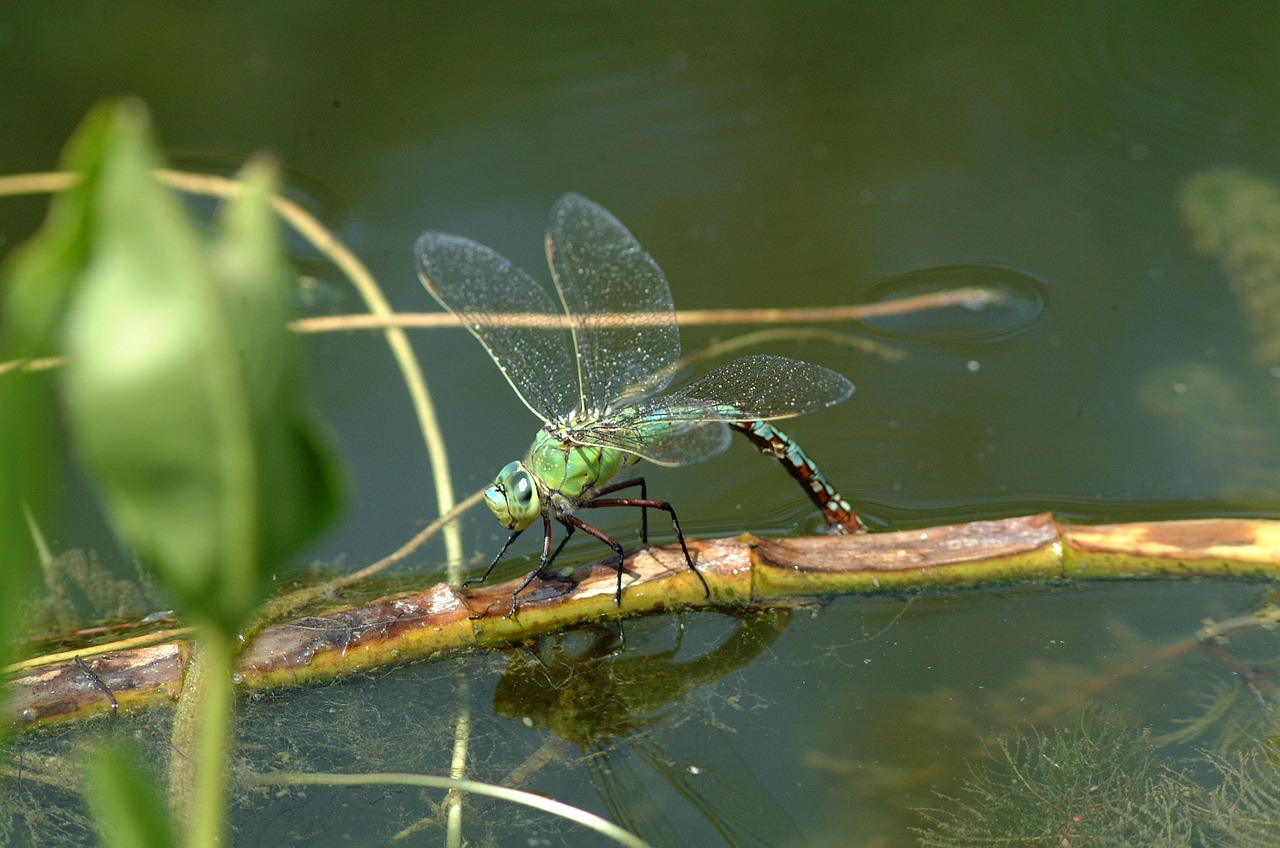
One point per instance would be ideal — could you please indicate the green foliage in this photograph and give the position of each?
(37, 279)
(41, 274)
(183, 387)
(128, 811)
(183, 395)
(1097, 784)
(24, 454)
(1231, 718)
(1103, 783)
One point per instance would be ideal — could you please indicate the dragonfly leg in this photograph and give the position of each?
(548, 556)
(574, 521)
(645, 503)
(644, 494)
(771, 441)
(569, 528)
(492, 565)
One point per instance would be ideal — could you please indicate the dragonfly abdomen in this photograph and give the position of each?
(771, 441)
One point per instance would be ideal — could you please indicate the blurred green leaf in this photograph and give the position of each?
(299, 484)
(152, 392)
(183, 392)
(41, 273)
(36, 280)
(24, 460)
(126, 808)
(183, 387)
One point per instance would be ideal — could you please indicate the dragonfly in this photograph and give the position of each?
(592, 357)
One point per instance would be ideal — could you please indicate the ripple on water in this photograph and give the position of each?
(1014, 302)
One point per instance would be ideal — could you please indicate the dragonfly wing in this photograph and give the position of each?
(623, 321)
(516, 319)
(658, 433)
(762, 388)
(689, 425)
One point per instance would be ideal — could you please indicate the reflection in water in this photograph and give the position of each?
(1016, 300)
(615, 702)
(1234, 216)
(1220, 413)
(1220, 427)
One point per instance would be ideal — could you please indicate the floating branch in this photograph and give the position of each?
(745, 571)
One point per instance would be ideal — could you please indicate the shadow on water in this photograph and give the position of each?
(626, 709)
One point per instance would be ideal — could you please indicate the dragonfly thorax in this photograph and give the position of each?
(569, 473)
(555, 474)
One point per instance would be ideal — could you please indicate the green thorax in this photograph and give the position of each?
(570, 472)
(555, 474)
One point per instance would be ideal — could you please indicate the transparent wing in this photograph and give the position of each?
(688, 425)
(516, 319)
(623, 321)
(663, 435)
(765, 387)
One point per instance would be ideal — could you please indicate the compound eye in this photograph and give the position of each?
(514, 497)
(522, 489)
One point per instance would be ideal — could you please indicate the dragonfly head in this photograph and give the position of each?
(514, 498)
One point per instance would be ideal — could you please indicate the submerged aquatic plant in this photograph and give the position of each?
(1097, 784)
(1244, 811)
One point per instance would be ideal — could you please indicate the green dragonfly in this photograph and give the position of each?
(592, 361)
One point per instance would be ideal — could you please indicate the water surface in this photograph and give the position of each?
(811, 155)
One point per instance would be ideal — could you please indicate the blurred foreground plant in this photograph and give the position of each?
(183, 395)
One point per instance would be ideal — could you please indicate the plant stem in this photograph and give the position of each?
(201, 741)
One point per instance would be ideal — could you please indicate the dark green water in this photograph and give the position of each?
(806, 154)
